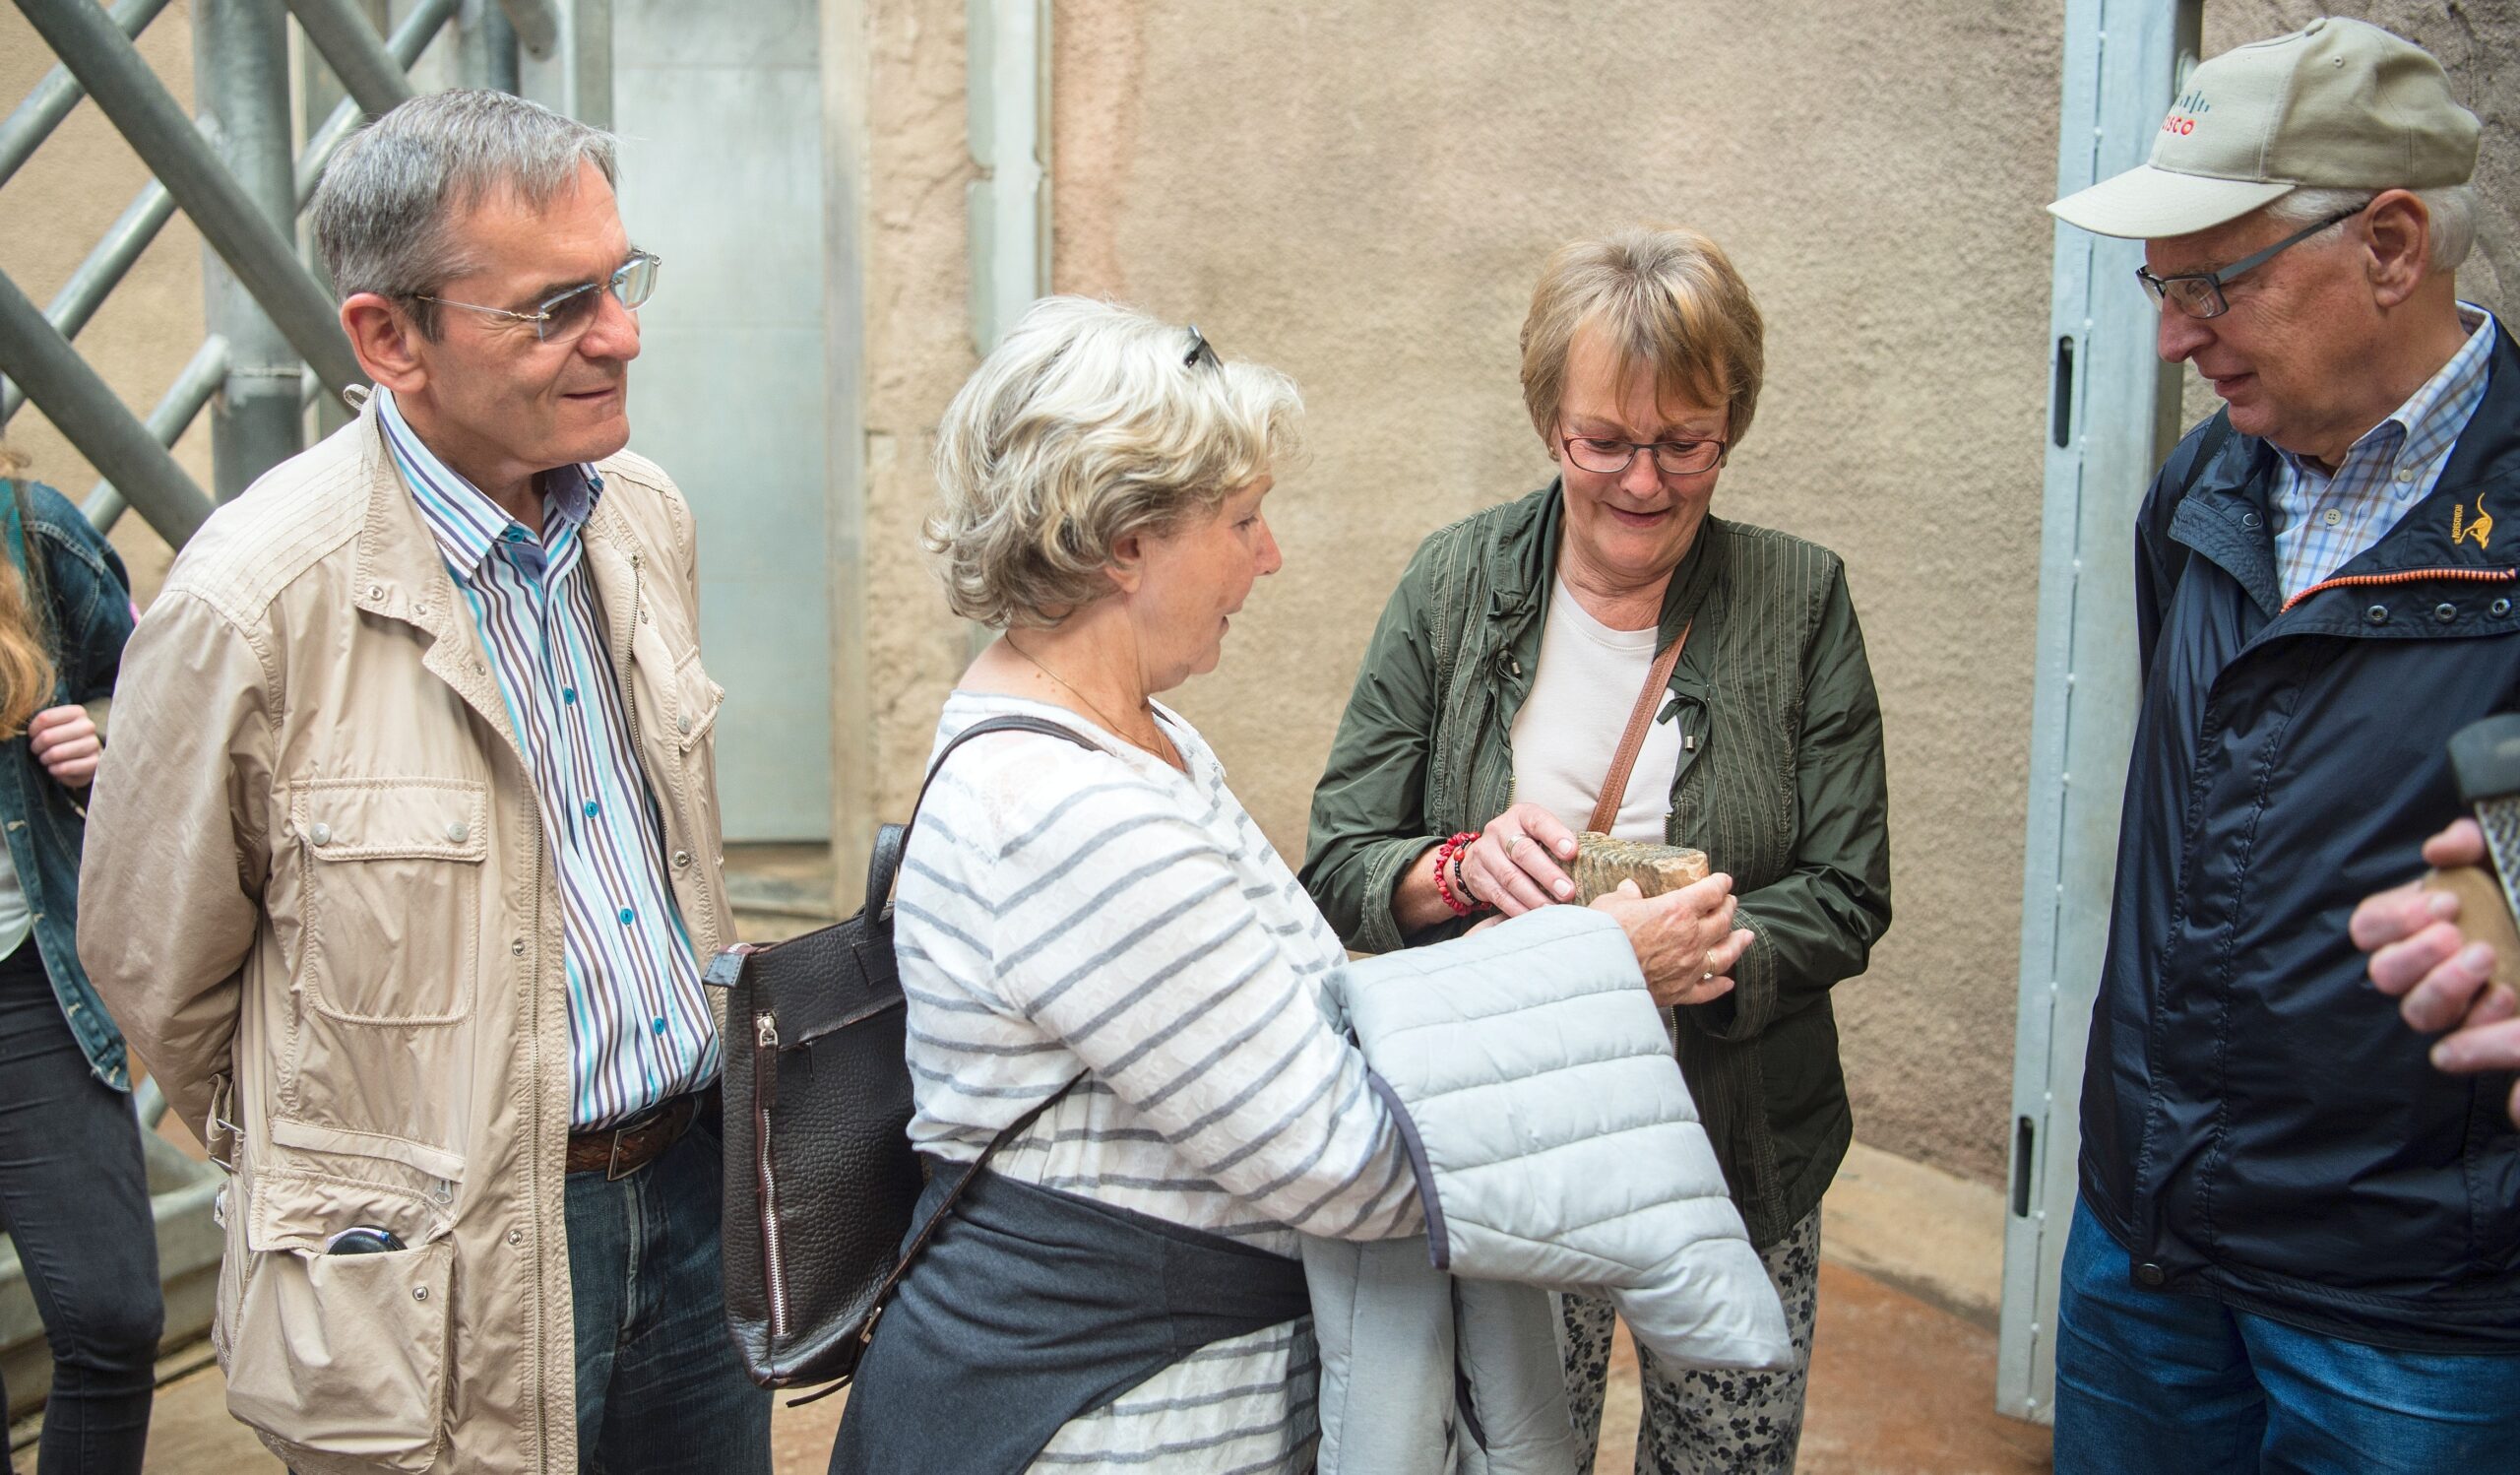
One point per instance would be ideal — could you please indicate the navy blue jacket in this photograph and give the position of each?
(2258, 1124)
(89, 618)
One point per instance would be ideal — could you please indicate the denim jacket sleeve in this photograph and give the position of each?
(90, 595)
(1370, 809)
(1817, 925)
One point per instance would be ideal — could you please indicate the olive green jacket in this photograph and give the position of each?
(1780, 782)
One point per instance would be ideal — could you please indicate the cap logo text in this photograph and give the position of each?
(2184, 112)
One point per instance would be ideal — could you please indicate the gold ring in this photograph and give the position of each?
(1514, 845)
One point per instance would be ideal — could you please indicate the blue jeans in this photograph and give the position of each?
(661, 1390)
(2149, 1381)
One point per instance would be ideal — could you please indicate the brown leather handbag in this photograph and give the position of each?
(821, 1182)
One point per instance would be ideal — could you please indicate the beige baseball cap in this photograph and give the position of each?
(2337, 104)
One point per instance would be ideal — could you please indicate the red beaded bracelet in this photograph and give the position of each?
(1461, 875)
(1444, 856)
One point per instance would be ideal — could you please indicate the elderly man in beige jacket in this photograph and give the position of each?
(406, 851)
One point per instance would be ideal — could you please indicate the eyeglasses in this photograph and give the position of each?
(563, 316)
(1672, 458)
(1200, 353)
(2199, 294)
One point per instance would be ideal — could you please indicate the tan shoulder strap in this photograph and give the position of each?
(1647, 701)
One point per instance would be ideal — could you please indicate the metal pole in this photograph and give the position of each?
(82, 408)
(106, 64)
(240, 71)
(590, 61)
(152, 206)
(58, 93)
(104, 268)
(174, 414)
(410, 40)
(537, 26)
(356, 55)
(486, 43)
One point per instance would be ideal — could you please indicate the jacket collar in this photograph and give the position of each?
(399, 574)
(2226, 517)
(468, 526)
(1522, 569)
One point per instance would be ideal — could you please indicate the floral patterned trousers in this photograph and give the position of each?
(1698, 1421)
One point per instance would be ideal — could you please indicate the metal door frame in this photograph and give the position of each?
(2113, 415)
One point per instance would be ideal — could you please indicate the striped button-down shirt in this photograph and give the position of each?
(640, 1029)
(2323, 522)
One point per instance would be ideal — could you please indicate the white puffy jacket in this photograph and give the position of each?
(1557, 1149)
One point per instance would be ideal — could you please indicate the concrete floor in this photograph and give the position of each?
(1899, 1387)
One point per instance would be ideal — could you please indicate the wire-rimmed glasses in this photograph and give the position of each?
(1605, 457)
(564, 315)
(2199, 294)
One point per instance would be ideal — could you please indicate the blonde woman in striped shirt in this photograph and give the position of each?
(1119, 1290)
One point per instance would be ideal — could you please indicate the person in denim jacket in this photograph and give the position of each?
(73, 1189)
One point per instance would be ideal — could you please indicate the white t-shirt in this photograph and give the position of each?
(1569, 728)
(16, 920)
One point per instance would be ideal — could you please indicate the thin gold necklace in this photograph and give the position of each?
(1168, 753)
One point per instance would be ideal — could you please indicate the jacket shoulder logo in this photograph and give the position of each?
(2462, 529)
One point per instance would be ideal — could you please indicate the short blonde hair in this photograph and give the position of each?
(1667, 297)
(1089, 423)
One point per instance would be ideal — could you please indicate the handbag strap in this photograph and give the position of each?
(936, 1220)
(1614, 787)
(892, 841)
(1011, 723)
(1014, 1129)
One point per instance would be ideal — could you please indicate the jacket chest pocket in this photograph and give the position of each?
(392, 877)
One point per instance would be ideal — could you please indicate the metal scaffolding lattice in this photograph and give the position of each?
(274, 342)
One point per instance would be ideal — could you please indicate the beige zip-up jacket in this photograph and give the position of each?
(317, 897)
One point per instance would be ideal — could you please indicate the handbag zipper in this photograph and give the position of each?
(765, 1096)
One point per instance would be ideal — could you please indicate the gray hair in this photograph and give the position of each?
(1087, 424)
(383, 217)
(2451, 207)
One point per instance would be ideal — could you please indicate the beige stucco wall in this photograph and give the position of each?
(52, 212)
(916, 288)
(1364, 201)
(1361, 195)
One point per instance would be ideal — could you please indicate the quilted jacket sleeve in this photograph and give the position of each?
(1554, 1139)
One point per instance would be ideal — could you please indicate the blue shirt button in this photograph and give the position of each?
(660, 1023)
(568, 696)
(592, 809)
(628, 917)
(515, 533)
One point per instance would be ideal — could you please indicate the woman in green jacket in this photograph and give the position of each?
(1492, 701)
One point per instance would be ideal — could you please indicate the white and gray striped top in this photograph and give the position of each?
(1061, 909)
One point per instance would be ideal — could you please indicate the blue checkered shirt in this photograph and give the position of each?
(2324, 522)
(640, 1028)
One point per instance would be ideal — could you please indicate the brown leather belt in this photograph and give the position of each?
(619, 1151)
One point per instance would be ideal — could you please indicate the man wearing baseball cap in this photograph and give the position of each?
(2298, 1246)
